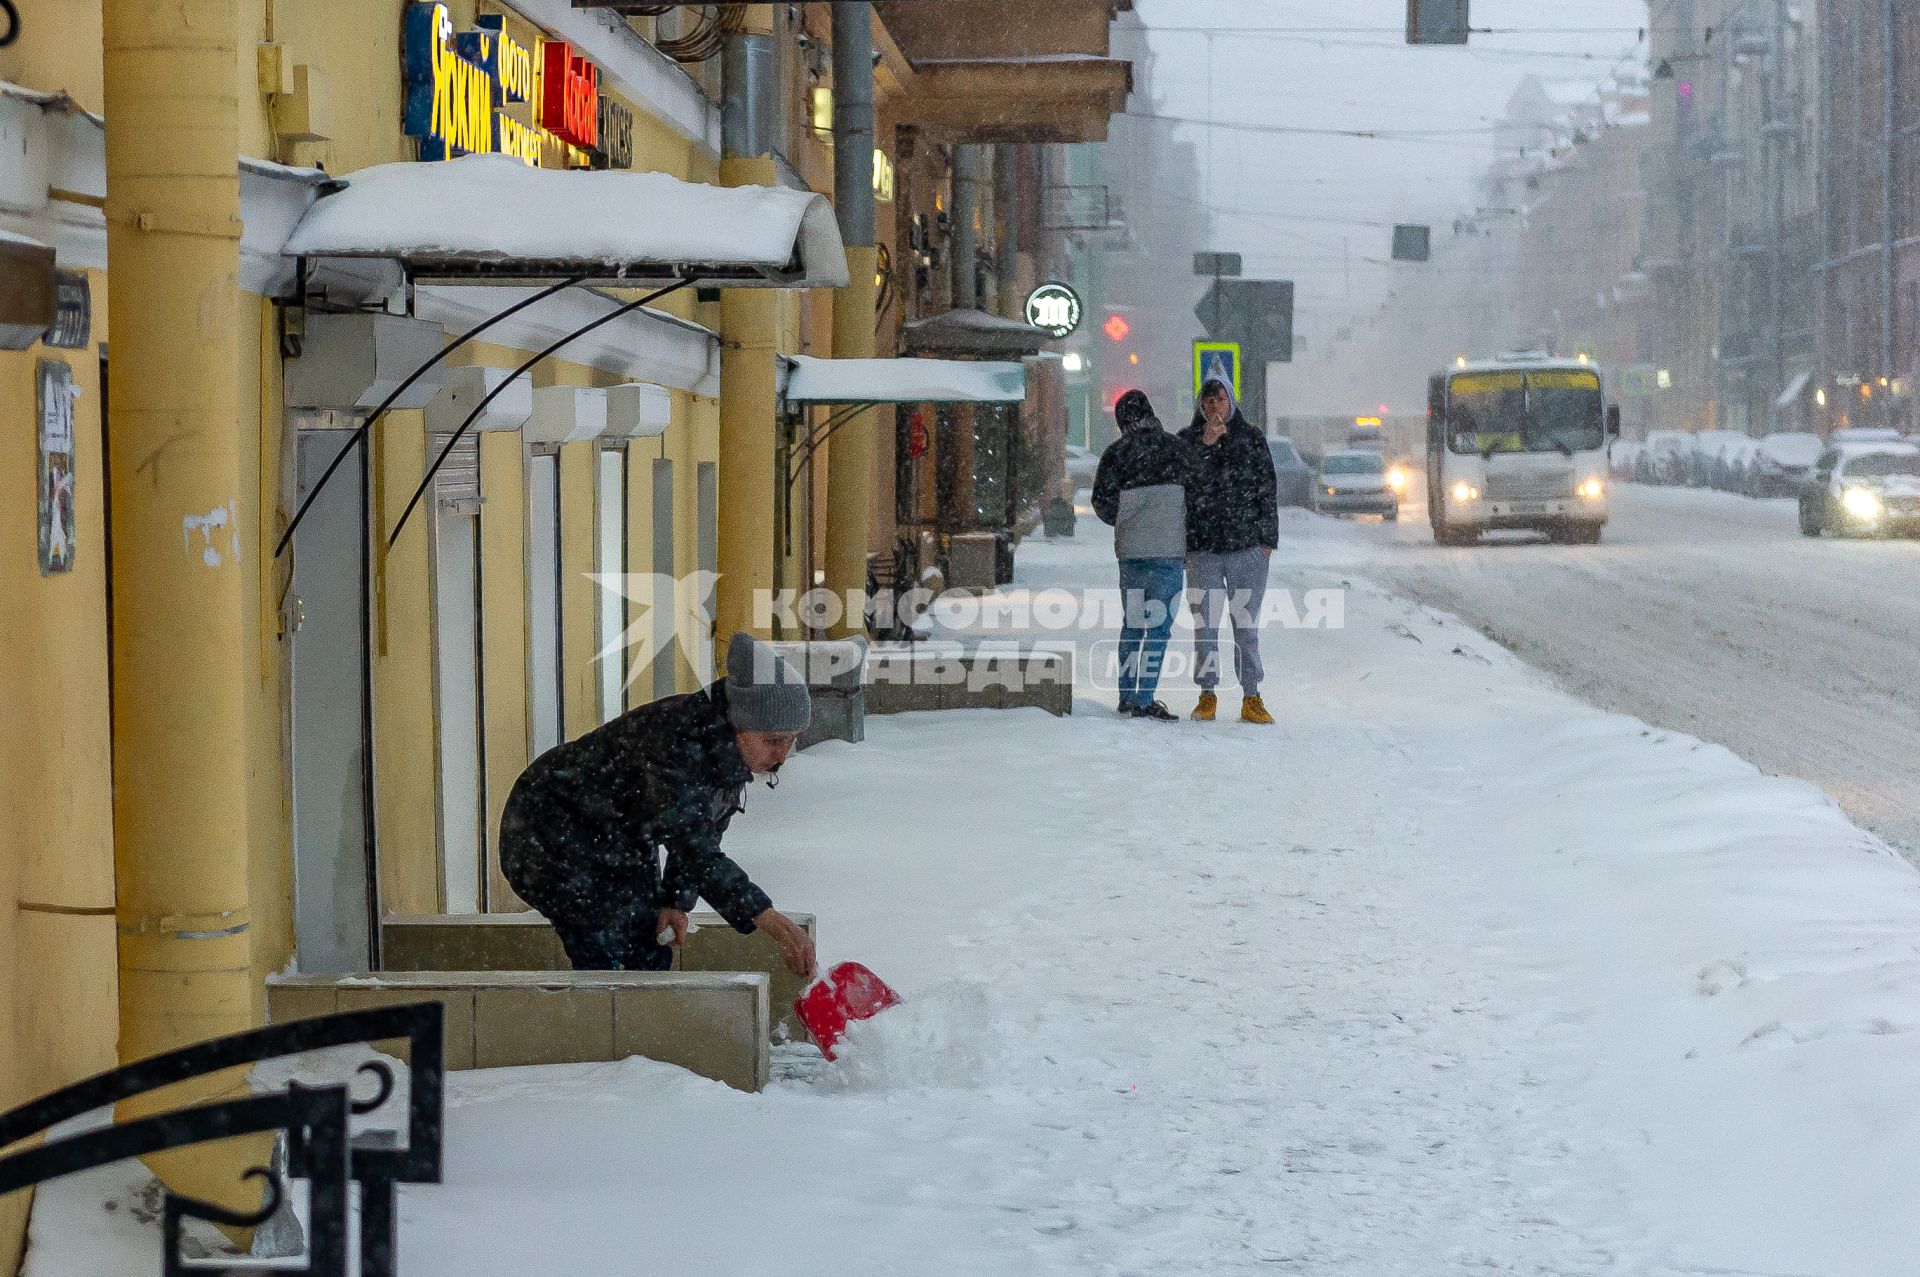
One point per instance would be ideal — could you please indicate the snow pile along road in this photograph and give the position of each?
(1446, 973)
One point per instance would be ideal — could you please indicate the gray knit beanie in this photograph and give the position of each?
(764, 693)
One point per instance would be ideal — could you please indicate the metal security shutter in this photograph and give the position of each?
(457, 486)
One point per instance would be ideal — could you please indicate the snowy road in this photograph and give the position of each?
(1710, 614)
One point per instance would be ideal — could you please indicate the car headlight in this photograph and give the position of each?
(1861, 503)
(1464, 491)
(1591, 489)
(1333, 492)
(1397, 478)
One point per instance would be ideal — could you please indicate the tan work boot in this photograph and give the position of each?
(1204, 711)
(1254, 710)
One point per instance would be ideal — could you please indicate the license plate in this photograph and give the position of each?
(1528, 507)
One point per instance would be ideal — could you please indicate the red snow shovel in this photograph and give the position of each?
(847, 994)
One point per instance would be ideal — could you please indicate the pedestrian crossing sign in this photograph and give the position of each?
(1216, 361)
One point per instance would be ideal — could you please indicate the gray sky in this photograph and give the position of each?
(1325, 65)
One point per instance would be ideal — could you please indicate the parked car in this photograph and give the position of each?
(1624, 459)
(1294, 475)
(1660, 461)
(1698, 470)
(1781, 464)
(1730, 466)
(1863, 489)
(1865, 434)
(1355, 482)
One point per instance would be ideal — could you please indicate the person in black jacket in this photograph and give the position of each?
(1233, 527)
(583, 827)
(1141, 489)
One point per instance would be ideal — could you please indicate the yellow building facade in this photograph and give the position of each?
(164, 759)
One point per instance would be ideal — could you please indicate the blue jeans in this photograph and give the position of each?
(1149, 592)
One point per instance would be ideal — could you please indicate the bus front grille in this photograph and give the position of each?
(1530, 485)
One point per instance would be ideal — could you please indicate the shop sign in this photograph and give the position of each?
(616, 133)
(461, 89)
(1056, 308)
(56, 394)
(569, 95)
(883, 177)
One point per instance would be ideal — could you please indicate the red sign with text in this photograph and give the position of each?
(569, 95)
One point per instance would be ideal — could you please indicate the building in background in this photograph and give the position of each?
(1868, 287)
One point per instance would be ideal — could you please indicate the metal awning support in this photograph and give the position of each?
(353, 440)
(426, 480)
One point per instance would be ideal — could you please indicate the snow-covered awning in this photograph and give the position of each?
(1794, 390)
(974, 332)
(881, 381)
(491, 219)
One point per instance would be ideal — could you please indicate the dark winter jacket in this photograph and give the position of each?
(579, 835)
(1235, 506)
(1141, 489)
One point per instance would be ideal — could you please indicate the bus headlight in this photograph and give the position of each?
(1591, 490)
(1464, 492)
(1861, 503)
(1397, 478)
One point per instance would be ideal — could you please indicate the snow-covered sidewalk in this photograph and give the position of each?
(1445, 973)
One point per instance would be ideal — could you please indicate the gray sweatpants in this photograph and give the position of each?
(1233, 586)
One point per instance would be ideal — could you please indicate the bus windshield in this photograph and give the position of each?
(1552, 410)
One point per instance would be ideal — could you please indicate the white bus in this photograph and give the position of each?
(1518, 441)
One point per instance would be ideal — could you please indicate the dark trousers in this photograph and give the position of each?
(604, 924)
(613, 947)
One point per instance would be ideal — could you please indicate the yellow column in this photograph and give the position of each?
(405, 745)
(182, 759)
(850, 473)
(505, 729)
(750, 334)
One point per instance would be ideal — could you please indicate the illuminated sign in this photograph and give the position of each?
(449, 100)
(569, 95)
(1054, 307)
(882, 177)
(481, 91)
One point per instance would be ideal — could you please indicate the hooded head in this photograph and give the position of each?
(1213, 388)
(764, 693)
(1132, 409)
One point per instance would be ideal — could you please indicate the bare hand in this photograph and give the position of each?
(1267, 550)
(795, 945)
(673, 928)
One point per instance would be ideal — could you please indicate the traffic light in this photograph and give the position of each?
(1117, 328)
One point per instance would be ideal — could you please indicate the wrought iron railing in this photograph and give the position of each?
(314, 1121)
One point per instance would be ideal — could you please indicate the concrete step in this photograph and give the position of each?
(526, 942)
(713, 1023)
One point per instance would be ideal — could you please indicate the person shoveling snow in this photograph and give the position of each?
(582, 830)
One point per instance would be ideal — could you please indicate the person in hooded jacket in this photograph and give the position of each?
(1141, 490)
(582, 832)
(1233, 527)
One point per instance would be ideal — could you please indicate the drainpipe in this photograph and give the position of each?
(184, 535)
(1890, 171)
(1006, 203)
(850, 455)
(750, 339)
(965, 239)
